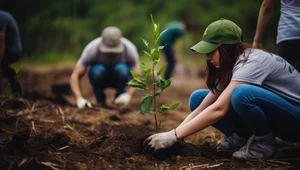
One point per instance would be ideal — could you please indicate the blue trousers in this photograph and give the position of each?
(169, 54)
(255, 110)
(102, 77)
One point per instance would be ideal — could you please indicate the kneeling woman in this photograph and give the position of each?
(253, 97)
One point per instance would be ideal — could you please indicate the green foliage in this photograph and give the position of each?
(102, 115)
(18, 71)
(152, 80)
(7, 88)
(66, 27)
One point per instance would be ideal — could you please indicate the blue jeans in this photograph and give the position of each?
(169, 54)
(102, 77)
(257, 111)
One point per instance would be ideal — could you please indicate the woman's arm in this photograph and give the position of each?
(208, 100)
(205, 118)
(264, 16)
(210, 115)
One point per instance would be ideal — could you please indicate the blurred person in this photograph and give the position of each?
(108, 60)
(172, 40)
(10, 50)
(288, 31)
(253, 97)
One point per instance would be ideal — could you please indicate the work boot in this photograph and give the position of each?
(258, 147)
(232, 143)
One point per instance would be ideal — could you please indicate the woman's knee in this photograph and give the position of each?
(241, 92)
(196, 98)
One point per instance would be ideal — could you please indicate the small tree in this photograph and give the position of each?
(12, 86)
(152, 80)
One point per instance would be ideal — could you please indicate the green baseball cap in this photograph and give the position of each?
(217, 33)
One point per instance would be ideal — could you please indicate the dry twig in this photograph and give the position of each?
(51, 165)
(33, 128)
(63, 148)
(62, 114)
(192, 166)
(22, 162)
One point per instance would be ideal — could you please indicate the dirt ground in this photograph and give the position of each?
(43, 130)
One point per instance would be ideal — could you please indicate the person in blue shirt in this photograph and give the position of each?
(10, 50)
(172, 41)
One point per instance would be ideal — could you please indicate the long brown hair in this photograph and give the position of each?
(218, 78)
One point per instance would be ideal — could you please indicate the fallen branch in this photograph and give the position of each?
(22, 162)
(192, 166)
(63, 148)
(33, 128)
(47, 121)
(62, 114)
(51, 165)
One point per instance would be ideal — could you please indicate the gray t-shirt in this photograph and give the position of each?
(269, 71)
(92, 55)
(289, 22)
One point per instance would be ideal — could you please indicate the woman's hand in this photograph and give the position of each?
(160, 141)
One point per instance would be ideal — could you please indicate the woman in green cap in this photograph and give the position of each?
(253, 96)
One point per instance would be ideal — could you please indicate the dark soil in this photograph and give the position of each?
(45, 130)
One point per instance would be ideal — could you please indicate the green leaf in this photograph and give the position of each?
(145, 69)
(17, 69)
(137, 84)
(174, 106)
(157, 94)
(158, 83)
(162, 70)
(157, 33)
(149, 55)
(146, 104)
(145, 42)
(136, 75)
(161, 47)
(162, 83)
(164, 108)
(155, 56)
(162, 32)
(167, 83)
(147, 77)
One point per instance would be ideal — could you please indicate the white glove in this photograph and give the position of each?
(122, 99)
(81, 103)
(160, 141)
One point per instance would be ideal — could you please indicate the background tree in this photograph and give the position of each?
(55, 29)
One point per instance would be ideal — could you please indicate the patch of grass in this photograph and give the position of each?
(51, 58)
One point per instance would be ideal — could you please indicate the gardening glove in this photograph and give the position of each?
(122, 99)
(81, 103)
(160, 141)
